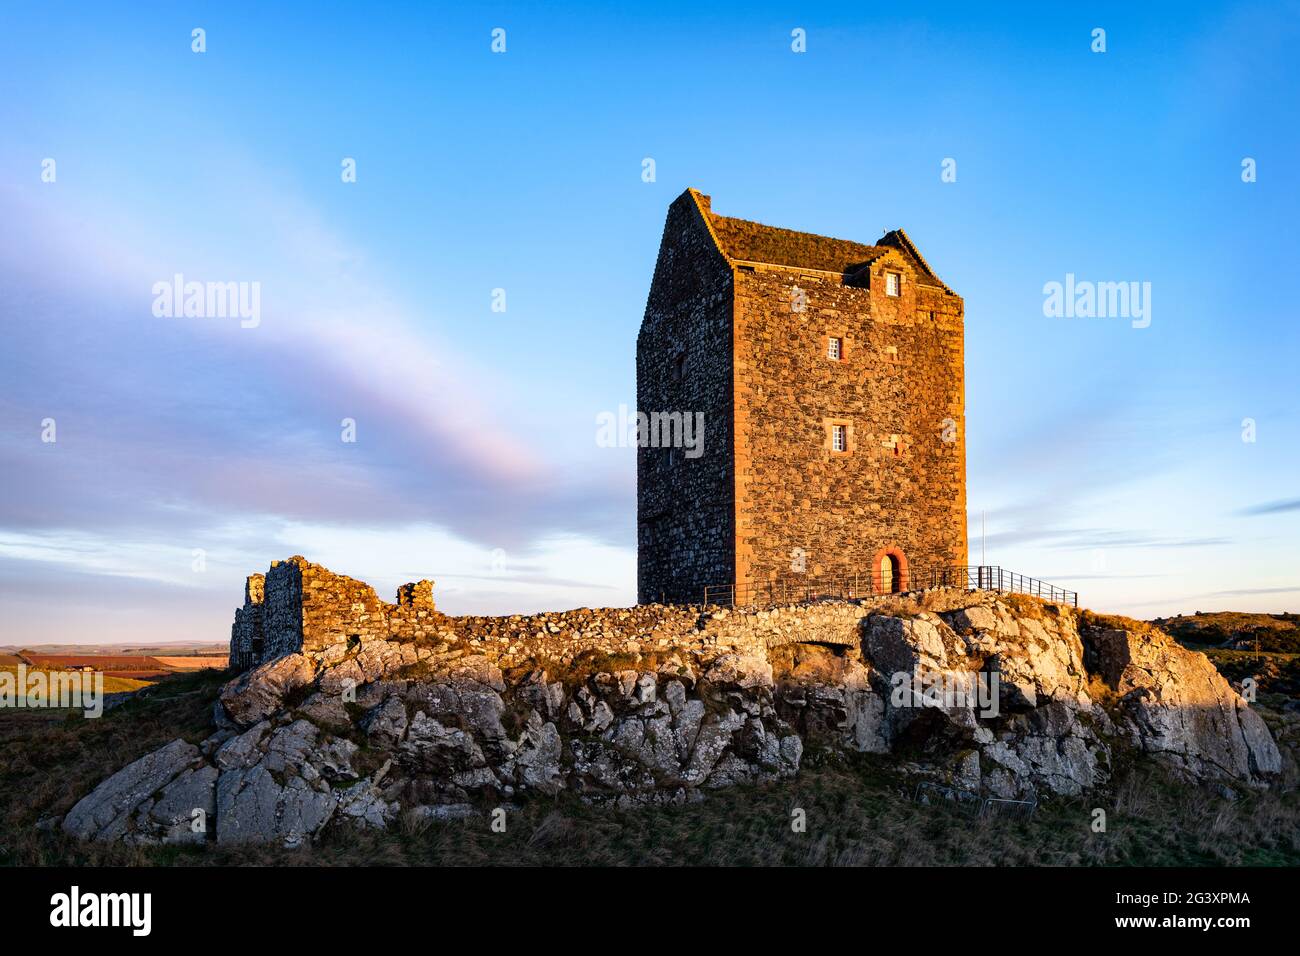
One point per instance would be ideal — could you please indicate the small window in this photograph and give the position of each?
(893, 283)
(679, 366)
(835, 348)
(839, 438)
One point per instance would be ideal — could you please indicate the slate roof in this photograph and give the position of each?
(756, 242)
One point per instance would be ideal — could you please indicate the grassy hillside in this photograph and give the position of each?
(1271, 633)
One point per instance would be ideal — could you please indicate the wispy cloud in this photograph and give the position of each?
(1272, 507)
(1081, 539)
(181, 424)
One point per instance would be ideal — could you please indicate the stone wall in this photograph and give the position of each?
(685, 531)
(282, 608)
(770, 499)
(246, 634)
(898, 388)
(301, 606)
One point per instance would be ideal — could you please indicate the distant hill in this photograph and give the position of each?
(158, 649)
(1238, 630)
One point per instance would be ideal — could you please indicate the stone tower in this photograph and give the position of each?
(829, 378)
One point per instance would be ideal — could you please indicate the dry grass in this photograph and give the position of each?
(194, 662)
(112, 684)
(1091, 620)
(49, 759)
(1276, 633)
(858, 814)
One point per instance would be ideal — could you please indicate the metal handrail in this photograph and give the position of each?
(801, 589)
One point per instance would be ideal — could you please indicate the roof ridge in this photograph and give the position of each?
(748, 240)
(797, 232)
(911, 248)
(704, 206)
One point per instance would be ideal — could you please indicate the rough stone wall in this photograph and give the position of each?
(722, 336)
(685, 533)
(246, 635)
(282, 608)
(301, 606)
(899, 390)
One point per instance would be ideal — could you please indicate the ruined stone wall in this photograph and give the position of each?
(414, 616)
(685, 533)
(301, 606)
(898, 389)
(338, 614)
(282, 608)
(246, 633)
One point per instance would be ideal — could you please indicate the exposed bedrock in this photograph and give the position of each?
(358, 711)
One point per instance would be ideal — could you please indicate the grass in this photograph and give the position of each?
(49, 759)
(112, 685)
(1276, 633)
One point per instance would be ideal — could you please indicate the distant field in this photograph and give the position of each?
(194, 662)
(8, 660)
(113, 683)
(1277, 633)
(161, 649)
(136, 666)
(115, 663)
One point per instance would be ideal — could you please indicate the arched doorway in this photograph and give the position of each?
(890, 580)
(889, 570)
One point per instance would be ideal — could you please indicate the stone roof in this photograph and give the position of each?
(755, 242)
(748, 241)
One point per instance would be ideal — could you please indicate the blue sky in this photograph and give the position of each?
(1103, 457)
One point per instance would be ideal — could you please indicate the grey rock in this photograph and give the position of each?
(106, 812)
(257, 694)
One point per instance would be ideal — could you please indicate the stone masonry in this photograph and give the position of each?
(300, 606)
(738, 326)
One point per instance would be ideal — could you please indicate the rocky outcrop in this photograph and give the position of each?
(1005, 697)
(1171, 703)
(165, 796)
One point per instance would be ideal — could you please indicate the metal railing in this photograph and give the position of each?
(972, 804)
(801, 590)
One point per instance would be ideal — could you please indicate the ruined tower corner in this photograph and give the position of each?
(255, 589)
(417, 594)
